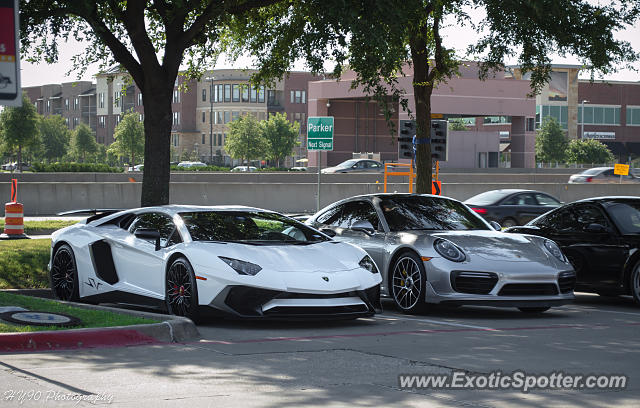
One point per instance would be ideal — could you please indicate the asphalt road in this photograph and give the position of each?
(353, 363)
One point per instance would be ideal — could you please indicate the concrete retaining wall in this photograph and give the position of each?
(51, 198)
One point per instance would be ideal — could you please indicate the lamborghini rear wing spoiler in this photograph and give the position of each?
(96, 213)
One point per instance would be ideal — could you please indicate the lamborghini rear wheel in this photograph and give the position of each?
(64, 274)
(181, 294)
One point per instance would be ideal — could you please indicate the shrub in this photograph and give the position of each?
(75, 168)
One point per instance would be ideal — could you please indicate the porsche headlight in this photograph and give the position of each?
(368, 264)
(448, 250)
(554, 250)
(242, 267)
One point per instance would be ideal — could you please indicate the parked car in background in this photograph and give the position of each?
(190, 164)
(510, 207)
(433, 249)
(356, 166)
(14, 166)
(601, 238)
(602, 175)
(137, 167)
(244, 168)
(299, 168)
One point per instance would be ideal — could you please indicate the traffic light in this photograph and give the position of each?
(439, 140)
(405, 139)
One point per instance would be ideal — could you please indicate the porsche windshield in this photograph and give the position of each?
(428, 213)
(248, 227)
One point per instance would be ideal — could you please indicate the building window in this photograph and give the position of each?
(176, 118)
(118, 119)
(298, 97)
(176, 96)
(204, 94)
(76, 103)
(219, 93)
(219, 139)
(497, 120)
(204, 116)
(66, 103)
(245, 93)
(633, 115)
(139, 99)
(254, 95)
(227, 92)
(293, 96)
(141, 117)
(203, 140)
(101, 100)
(304, 97)
(66, 121)
(271, 97)
(48, 106)
(101, 121)
(227, 116)
(175, 139)
(218, 117)
(234, 115)
(261, 94)
(599, 115)
(236, 93)
(530, 125)
(75, 122)
(116, 99)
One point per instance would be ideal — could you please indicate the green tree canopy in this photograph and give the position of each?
(281, 136)
(150, 39)
(551, 143)
(245, 139)
(19, 127)
(588, 151)
(377, 38)
(457, 124)
(55, 137)
(129, 138)
(84, 141)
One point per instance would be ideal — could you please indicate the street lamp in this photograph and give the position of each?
(210, 79)
(582, 131)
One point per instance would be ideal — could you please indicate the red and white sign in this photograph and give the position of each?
(10, 93)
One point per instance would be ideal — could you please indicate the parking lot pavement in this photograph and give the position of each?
(356, 363)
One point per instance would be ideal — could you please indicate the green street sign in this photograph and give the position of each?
(320, 133)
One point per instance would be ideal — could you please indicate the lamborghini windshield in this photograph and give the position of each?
(250, 227)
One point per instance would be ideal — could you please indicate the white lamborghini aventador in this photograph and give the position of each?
(243, 261)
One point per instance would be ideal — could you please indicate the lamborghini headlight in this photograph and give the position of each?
(368, 264)
(554, 250)
(449, 251)
(242, 267)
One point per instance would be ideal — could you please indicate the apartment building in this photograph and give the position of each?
(74, 101)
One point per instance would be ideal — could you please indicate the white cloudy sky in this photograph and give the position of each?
(457, 37)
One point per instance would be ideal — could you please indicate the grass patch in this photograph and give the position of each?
(23, 263)
(90, 318)
(45, 227)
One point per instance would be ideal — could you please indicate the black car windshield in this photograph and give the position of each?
(626, 215)
(488, 197)
(250, 227)
(414, 212)
(348, 163)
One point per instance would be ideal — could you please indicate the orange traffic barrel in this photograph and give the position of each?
(14, 220)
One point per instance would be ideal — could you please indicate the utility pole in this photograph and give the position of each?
(582, 131)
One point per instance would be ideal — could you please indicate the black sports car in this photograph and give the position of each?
(601, 238)
(510, 207)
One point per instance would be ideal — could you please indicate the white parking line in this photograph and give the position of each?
(468, 326)
(593, 309)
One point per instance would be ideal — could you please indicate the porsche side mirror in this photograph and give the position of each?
(363, 226)
(328, 231)
(595, 228)
(495, 226)
(149, 234)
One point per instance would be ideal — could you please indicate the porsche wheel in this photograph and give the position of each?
(508, 222)
(408, 281)
(634, 284)
(181, 291)
(533, 309)
(64, 275)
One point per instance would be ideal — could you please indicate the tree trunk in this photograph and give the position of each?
(157, 94)
(422, 90)
(19, 164)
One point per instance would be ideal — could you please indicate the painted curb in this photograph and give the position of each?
(171, 329)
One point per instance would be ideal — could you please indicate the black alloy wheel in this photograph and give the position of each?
(64, 275)
(408, 282)
(181, 295)
(634, 284)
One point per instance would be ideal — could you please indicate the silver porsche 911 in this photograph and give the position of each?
(433, 249)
